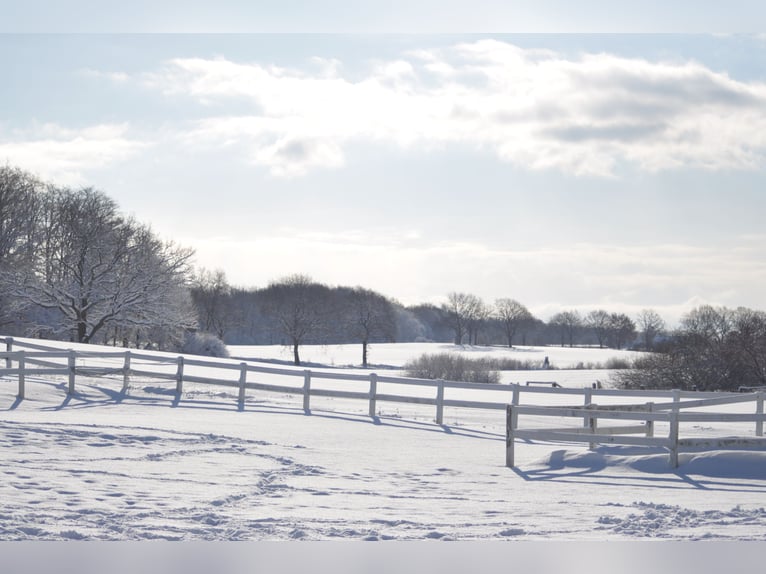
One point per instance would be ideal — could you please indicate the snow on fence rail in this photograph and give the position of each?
(648, 414)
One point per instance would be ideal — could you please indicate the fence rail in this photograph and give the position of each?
(39, 359)
(23, 359)
(650, 413)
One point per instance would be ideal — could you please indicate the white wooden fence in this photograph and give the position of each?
(30, 359)
(671, 412)
(23, 359)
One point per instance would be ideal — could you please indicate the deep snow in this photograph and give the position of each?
(103, 465)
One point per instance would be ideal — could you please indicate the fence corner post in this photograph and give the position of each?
(72, 369)
(440, 402)
(126, 372)
(759, 411)
(373, 393)
(511, 420)
(8, 349)
(180, 376)
(242, 382)
(22, 366)
(307, 390)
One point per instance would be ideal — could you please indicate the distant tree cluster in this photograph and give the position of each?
(294, 311)
(73, 267)
(715, 348)
(297, 310)
(472, 321)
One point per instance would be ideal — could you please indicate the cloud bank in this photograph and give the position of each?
(535, 109)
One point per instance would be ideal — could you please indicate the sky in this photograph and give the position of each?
(551, 158)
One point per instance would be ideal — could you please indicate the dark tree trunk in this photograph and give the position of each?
(296, 356)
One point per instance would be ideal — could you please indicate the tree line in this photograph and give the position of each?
(73, 267)
(296, 310)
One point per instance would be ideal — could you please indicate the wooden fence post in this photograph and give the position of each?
(373, 393)
(593, 430)
(126, 372)
(649, 423)
(72, 368)
(511, 421)
(22, 366)
(242, 382)
(306, 390)
(676, 398)
(180, 376)
(759, 411)
(588, 398)
(515, 399)
(440, 402)
(673, 436)
(8, 349)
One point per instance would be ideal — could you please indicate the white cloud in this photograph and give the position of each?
(533, 108)
(63, 155)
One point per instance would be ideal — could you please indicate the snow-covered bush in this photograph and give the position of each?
(205, 344)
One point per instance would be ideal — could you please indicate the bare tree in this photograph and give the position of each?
(476, 315)
(513, 315)
(708, 322)
(19, 204)
(210, 293)
(370, 316)
(299, 306)
(153, 296)
(567, 323)
(456, 311)
(715, 348)
(97, 269)
(650, 325)
(622, 329)
(599, 321)
(747, 345)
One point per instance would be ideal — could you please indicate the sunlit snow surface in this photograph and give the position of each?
(142, 465)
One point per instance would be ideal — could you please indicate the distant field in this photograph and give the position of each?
(395, 355)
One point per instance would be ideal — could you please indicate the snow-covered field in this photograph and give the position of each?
(395, 355)
(103, 465)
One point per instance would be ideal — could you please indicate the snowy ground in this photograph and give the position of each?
(395, 355)
(103, 465)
